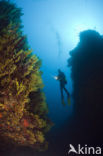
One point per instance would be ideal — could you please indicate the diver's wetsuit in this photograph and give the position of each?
(63, 82)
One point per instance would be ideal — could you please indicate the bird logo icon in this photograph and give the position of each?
(72, 149)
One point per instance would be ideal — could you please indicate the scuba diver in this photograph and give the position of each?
(62, 79)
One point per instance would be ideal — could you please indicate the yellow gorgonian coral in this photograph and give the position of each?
(22, 105)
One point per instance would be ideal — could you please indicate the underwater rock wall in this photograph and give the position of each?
(23, 108)
(86, 63)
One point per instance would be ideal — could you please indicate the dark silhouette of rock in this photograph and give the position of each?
(86, 64)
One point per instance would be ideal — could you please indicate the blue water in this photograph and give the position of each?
(48, 44)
